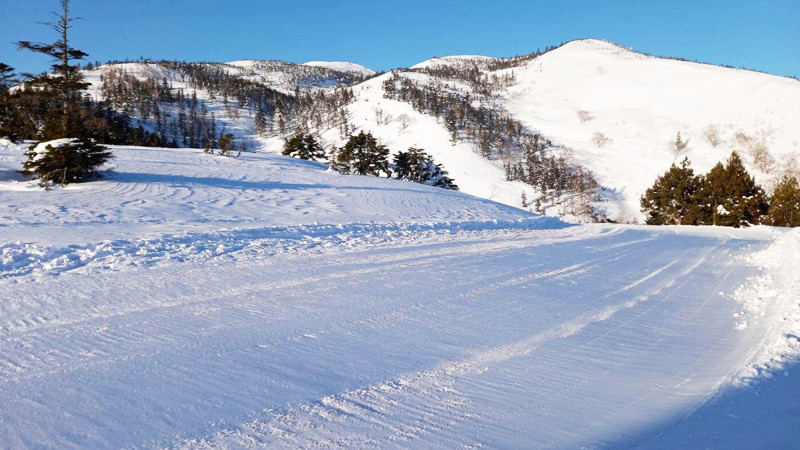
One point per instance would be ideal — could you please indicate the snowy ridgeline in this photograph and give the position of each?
(604, 110)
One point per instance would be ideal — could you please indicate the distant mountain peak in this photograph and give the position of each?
(341, 66)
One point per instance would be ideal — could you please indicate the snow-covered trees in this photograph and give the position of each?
(304, 146)
(672, 199)
(65, 161)
(730, 197)
(726, 196)
(417, 166)
(362, 155)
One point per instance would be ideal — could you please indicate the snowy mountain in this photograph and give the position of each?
(601, 109)
(342, 66)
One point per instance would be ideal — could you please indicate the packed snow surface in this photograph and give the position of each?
(190, 300)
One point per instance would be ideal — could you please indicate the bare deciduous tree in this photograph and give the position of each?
(711, 134)
(601, 139)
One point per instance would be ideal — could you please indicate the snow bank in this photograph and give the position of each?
(776, 295)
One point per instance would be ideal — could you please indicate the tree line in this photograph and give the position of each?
(362, 154)
(726, 196)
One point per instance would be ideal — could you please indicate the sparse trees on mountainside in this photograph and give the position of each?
(77, 159)
(417, 166)
(362, 155)
(475, 115)
(304, 146)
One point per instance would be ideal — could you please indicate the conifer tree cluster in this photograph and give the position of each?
(726, 196)
(304, 146)
(418, 167)
(362, 155)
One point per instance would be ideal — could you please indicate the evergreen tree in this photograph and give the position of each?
(304, 146)
(226, 145)
(730, 197)
(417, 166)
(65, 161)
(362, 155)
(7, 129)
(66, 81)
(74, 160)
(671, 200)
(784, 204)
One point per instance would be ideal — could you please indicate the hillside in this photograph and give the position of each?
(596, 109)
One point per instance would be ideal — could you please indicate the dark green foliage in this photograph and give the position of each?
(730, 197)
(70, 162)
(66, 81)
(726, 196)
(417, 166)
(7, 128)
(304, 146)
(784, 204)
(671, 200)
(362, 155)
(226, 145)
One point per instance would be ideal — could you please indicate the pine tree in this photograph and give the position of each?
(671, 199)
(66, 81)
(363, 155)
(76, 159)
(784, 204)
(7, 129)
(65, 161)
(417, 166)
(303, 146)
(730, 197)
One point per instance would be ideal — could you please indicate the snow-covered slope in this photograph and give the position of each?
(641, 102)
(609, 109)
(196, 301)
(342, 66)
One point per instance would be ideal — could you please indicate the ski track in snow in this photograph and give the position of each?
(257, 351)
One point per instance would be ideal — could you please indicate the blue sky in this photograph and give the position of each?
(761, 35)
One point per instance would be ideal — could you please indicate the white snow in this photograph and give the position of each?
(641, 102)
(342, 66)
(191, 300)
(638, 103)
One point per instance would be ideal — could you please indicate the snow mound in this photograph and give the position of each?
(450, 60)
(341, 66)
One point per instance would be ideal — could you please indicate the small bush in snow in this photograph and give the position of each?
(65, 161)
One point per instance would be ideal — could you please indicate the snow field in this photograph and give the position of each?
(191, 300)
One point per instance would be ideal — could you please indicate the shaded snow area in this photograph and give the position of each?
(196, 301)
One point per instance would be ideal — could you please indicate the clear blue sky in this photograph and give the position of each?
(762, 35)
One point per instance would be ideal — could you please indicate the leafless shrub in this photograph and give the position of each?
(601, 139)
